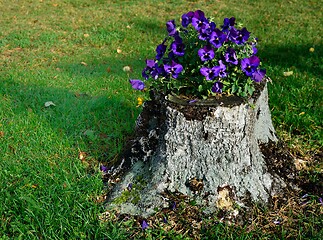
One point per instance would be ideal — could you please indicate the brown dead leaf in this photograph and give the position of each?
(127, 69)
(82, 155)
(119, 50)
(84, 63)
(86, 35)
(49, 103)
(225, 200)
(108, 69)
(300, 164)
(287, 74)
(1, 134)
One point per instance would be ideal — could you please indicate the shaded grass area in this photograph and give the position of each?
(72, 53)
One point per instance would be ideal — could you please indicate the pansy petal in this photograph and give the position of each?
(137, 84)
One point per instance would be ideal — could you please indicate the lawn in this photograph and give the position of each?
(66, 106)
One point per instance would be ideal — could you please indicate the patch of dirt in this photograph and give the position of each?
(279, 160)
(282, 220)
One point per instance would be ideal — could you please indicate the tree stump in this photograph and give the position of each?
(209, 151)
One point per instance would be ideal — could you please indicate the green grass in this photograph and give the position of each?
(66, 52)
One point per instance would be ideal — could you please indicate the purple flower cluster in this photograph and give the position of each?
(200, 50)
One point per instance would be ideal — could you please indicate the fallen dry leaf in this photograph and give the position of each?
(82, 155)
(127, 69)
(287, 74)
(1, 134)
(84, 63)
(119, 50)
(300, 164)
(86, 35)
(49, 103)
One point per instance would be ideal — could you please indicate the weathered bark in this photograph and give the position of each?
(210, 152)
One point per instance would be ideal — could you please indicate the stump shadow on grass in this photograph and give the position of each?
(97, 121)
(114, 114)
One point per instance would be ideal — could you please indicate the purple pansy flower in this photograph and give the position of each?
(103, 168)
(161, 71)
(150, 63)
(150, 69)
(239, 36)
(137, 84)
(187, 19)
(206, 31)
(217, 38)
(174, 69)
(209, 73)
(199, 20)
(160, 50)
(147, 70)
(231, 56)
(227, 24)
(229, 46)
(199, 14)
(220, 70)
(206, 53)
(171, 28)
(250, 65)
(217, 87)
(178, 46)
(258, 75)
(144, 225)
(243, 35)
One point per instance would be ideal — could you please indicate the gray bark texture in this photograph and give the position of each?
(209, 152)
